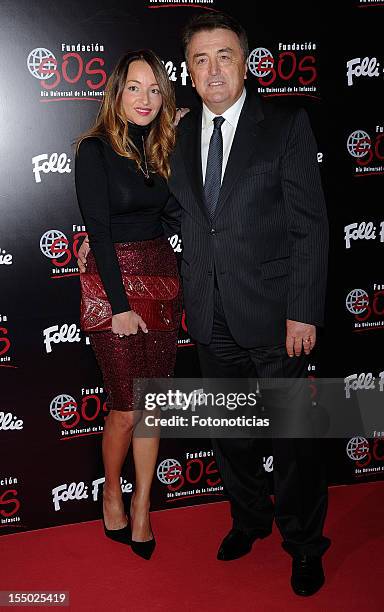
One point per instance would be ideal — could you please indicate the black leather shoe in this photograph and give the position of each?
(236, 544)
(307, 575)
(122, 535)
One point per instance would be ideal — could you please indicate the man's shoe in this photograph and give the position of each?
(307, 575)
(236, 544)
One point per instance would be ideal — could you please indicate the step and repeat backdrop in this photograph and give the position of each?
(56, 58)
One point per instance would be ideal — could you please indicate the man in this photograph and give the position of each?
(254, 275)
(255, 240)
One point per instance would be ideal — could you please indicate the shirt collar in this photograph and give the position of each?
(231, 115)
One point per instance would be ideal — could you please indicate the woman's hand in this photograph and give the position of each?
(180, 112)
(127, 323)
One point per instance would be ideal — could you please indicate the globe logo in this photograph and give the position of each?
(358, 143)
(61, 405)
(260, 62)
(34, 60)
(357, 448)
(168, 471)
(52, 242)
(357, 301)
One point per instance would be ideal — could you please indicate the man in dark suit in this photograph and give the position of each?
(255, 243)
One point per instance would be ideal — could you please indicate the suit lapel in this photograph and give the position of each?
(246, 140)
(191, 148)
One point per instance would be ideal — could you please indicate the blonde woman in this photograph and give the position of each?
(122, 167)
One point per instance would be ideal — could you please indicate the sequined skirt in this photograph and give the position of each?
(151, 355)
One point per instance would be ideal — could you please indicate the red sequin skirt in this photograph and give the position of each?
(151, 355)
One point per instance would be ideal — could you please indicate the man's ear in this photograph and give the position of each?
(246, 72)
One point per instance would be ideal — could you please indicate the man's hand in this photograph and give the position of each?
(299, 336)
(83, 252)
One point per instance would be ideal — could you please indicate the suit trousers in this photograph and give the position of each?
(300, 484)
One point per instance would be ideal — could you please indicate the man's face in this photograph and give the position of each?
(217, 67)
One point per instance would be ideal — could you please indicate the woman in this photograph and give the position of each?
(122, 167)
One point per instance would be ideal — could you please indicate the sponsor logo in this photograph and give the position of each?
(79, 418)
(362, 67)
(6, 259)
(287, 70)
(62, 251)
(196, 477)
(79, 491)
(74, 71)
(68, 332)
(6, 360)
(44, 164)
(367, 151)
(10, 422)
(362, 382)
(10, 504)
(366, 308)
(363, 230)
(175, 242)
(367, 455)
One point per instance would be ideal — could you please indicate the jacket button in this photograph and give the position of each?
(213, 231)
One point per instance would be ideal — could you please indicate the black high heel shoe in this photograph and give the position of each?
(144, 549)
(123, 535)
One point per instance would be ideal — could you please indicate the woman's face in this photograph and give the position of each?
(141, 99)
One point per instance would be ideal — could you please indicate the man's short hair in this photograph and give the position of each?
(212, 21)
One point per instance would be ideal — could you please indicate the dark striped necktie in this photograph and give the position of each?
(214, 167)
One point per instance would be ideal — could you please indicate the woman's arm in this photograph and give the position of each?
(93, 197)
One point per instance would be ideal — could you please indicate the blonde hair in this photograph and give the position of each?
(112, 125)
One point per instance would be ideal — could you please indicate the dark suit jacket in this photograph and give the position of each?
(269, 238)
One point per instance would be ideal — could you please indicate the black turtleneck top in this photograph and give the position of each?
(117, 205)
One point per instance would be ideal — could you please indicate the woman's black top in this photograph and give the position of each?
(118, 205)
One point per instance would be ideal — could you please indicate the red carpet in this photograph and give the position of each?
(183, 573)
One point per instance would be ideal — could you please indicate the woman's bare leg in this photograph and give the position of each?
(145, 451)
(116, 440)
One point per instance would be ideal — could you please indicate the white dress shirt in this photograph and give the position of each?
(228, 130)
